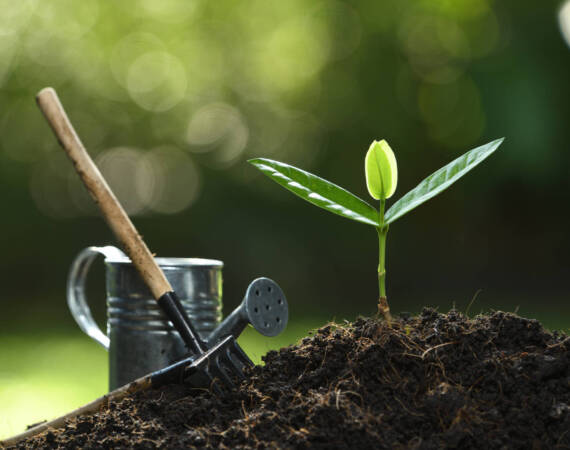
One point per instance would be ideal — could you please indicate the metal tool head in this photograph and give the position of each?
(210, 362)
(219, 363)
(266, 307)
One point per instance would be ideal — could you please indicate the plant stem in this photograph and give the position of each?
(383, 306)
(382, 261)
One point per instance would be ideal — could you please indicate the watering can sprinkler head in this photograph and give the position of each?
(264, 306)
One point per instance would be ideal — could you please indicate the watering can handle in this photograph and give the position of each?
(76, 298)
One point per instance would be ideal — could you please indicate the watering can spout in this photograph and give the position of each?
(264, 306)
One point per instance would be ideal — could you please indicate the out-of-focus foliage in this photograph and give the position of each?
(171, 97)
(160, 89)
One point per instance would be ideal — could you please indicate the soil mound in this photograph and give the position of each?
(427, 382)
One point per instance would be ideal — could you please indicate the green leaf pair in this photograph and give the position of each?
(381, 174)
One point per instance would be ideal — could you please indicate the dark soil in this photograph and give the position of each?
(427, 382)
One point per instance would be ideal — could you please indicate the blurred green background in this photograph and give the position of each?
(172, 97)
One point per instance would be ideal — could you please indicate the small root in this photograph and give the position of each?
(436, 347)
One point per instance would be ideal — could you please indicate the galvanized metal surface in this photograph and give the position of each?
(139, 338)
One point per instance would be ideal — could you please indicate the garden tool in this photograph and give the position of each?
(264, 306)
(204, 365)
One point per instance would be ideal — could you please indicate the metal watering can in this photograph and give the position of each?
(139, 338)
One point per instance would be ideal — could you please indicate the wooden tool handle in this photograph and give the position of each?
(113, 212)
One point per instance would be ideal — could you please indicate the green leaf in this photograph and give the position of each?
(381, 170)
(318, 191)
(440, 180)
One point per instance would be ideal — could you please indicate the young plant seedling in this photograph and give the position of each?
(381, 179)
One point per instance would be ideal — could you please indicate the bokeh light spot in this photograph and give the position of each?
(220, 130)
(120, 166)
(128, 49)
(167, 181)
(67, 18)
(291, 55)
(564, 21)
(435, 47)
(171, 11)
(157, 81)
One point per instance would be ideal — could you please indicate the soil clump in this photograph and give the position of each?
(427, 382)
